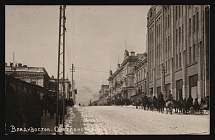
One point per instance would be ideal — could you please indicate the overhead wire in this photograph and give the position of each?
(90, 70)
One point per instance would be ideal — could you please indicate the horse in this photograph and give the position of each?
(169, 106)
(160, 105)
(186, 106)
(177, 105)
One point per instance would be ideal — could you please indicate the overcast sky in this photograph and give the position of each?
(31, 33)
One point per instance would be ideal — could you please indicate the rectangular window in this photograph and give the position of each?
(182, 10)
(166, 23)
(166, 45)
(190, 55)
(179, 60)
(169, 47)
(197, 21)
(33, 82)
(176, 12)
(179, 34)
(182, 31)
(189, 27)
(168, 20)
(157, 31)
(176, 61)
(166, 67)
(194, 53)
(193, 80)
(179, 11)
(193, 23)
(176, 37)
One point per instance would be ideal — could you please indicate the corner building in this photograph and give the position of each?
(178, 50)
(121, 82)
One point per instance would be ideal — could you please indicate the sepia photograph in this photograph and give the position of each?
(107, 70)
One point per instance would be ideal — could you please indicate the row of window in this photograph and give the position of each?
(195, 23)
(22, 74)
(193, 54)
(178, 11)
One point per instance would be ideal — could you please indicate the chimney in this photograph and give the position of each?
(19, 64)
(5, 65)
(132, 53)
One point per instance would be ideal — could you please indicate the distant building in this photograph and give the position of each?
(121, 82)
(103, 94)
(53, 87)
(178, 50)
(34, 75)
(140, 76)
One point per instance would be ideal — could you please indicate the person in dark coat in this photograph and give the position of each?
(60, 110)
(190, 99)
(160, 96)
(137, 103)
(185, 106)
(196, 105)
(154, 102)
(52, 108)
(145, 102)
(149, 103)
(169, 97)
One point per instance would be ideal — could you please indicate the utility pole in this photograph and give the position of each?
(72, 70)
(63, 64)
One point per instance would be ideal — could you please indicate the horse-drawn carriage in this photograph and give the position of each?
(185, 107)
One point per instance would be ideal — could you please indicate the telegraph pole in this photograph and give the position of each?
(63, 64)
(72, 70)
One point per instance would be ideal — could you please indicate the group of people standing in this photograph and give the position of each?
(149, 103)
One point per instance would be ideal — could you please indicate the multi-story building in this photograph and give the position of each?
(103, 94)
(140, 76)
(34, 75)
(178, 50)
(121, 82)
(53, 87)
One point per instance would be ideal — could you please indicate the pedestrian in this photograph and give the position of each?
(137, 103)
(52, 109)
(150, 103)
(145, 102)
(190, 99)
(154, 102)
(169, 96)
(60, 109)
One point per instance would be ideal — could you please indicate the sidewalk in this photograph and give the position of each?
(48, 123)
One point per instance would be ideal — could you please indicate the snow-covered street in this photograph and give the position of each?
(117, 120)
